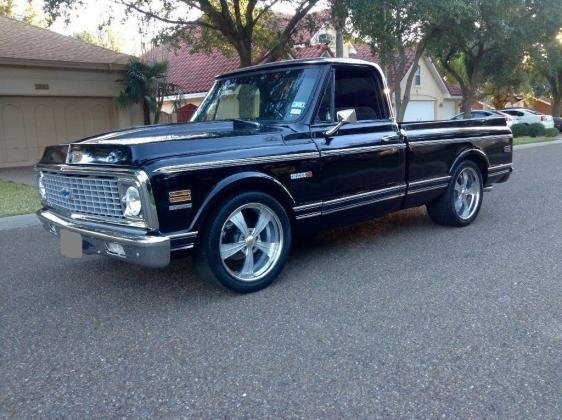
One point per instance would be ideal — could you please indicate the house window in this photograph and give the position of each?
(418, 76)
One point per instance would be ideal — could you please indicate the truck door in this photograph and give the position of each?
(363, 163)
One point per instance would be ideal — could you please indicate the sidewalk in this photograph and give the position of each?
(20, 175)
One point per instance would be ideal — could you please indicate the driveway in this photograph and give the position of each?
(396, 317)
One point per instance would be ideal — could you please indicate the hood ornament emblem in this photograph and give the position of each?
(66, 193)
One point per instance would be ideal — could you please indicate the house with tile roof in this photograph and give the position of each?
(54, 89)
(432, 98)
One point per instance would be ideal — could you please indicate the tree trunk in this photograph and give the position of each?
(556, 105)
(244, 50)
(420, 48)
(339, 42)
(467, 99)
(146, 112)
(556, 88)
(398, 102)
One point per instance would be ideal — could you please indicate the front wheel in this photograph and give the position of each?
(460, 204)
(246, 242)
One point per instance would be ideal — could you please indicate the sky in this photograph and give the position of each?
(127, 31)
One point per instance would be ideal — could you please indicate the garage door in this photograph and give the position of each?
(28, 124)
(420, 111)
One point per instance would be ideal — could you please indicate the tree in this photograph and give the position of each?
(241, 24)
(504, 76)
(107, 39)
(146, 84)
(545, 53)
(485, 28)
(33, 15)
(339, 10)
(395, 28)
(7, 8)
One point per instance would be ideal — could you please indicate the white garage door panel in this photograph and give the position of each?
(28, 124)
(420, 111)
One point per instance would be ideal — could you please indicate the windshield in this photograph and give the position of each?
(279, 95)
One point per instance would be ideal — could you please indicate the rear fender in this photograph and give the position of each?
(476, 155)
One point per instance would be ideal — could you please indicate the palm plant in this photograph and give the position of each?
(147, 84)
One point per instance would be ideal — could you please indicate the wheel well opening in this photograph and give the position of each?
(480, 162)
(246, 186)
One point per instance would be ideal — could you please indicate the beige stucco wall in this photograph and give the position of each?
(24, 81)
(168, 106)
(429, 89)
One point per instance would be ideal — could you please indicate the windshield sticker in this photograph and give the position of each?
(296, 111)
(298, 104)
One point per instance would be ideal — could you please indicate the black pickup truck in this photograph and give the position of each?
(273, 150)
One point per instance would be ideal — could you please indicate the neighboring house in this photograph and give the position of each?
(536, 104)
(431, 97)
(53, 89)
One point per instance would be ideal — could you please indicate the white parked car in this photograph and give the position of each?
(528, 116)
(487, 113)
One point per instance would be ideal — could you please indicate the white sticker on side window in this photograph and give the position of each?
(298, 104)
(296, 111)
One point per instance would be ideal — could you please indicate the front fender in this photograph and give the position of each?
(237, 182)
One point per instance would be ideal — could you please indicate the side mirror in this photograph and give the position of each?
(345, 116)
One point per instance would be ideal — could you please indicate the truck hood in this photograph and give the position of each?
(139, 145)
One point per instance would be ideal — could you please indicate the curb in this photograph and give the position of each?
(21, 221)
(532, 145)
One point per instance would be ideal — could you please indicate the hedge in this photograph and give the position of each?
(551, 132)
(536, 129)
(520, 130)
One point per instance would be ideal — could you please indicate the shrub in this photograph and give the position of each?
(536, 129)
(551, 132)
(520, 130)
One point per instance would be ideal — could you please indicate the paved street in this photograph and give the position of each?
(396, 317)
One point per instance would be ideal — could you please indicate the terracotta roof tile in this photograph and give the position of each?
(454, 90)
(313, 51)
(21, 41)
(193, 72)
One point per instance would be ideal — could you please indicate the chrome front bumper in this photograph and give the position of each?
(138, 246)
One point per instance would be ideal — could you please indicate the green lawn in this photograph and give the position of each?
(527, 140)
(17, 199)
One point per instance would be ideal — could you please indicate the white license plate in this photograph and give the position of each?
(70, 244)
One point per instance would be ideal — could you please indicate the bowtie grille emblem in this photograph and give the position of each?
(66, 193)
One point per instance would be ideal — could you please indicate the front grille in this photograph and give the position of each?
(83, 194)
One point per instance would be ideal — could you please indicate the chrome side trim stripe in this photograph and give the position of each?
(182, 248)
(236, 162)
(183, 235)
(308, 215)
(430, 188)
(494, 174)
(429, 181)
(415, 143)
(495, 168)
(308, 206)
(364, 149)
(365, 194)
(369, 197)
(363, 203)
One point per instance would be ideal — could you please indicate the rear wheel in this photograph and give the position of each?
(461, 203)
(246, 243)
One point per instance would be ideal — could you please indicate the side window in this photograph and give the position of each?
(418, 76)
(360, 89)
(326, 110)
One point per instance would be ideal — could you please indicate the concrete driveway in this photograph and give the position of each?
(396, 317)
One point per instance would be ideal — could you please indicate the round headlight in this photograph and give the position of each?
(132, 202)
(41, 186)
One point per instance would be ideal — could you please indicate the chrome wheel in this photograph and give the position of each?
(251, 242)
(467, 193)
